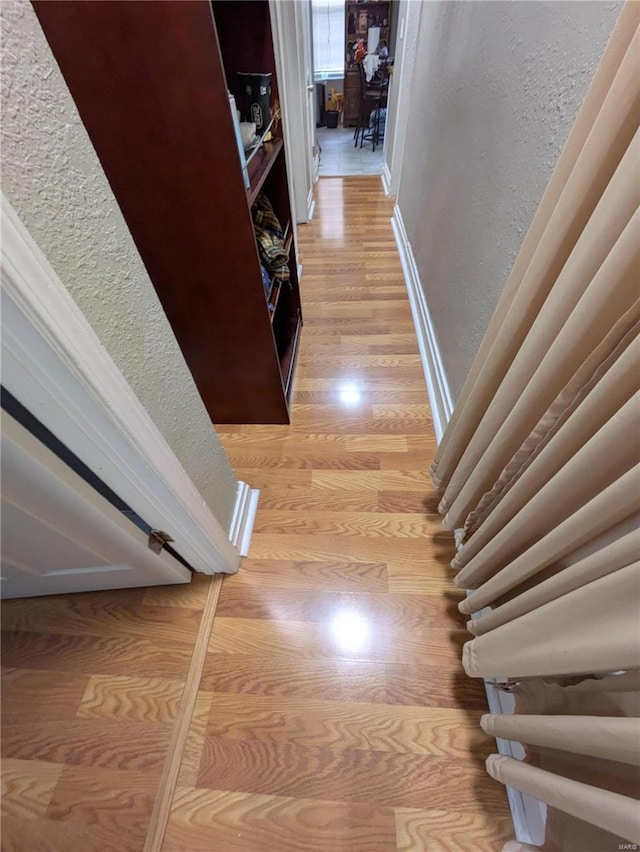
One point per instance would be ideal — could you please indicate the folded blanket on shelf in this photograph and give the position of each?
(270, 238)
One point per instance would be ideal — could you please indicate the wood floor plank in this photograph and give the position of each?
(324, 547)
(432, 686)
(388, 480)
(51, 835)
(27, 787)
(93, 654)
(99, 742)
(244, 600)
(350, 637)
(346, 775)
(95, 615)
(245, 822)
(339, 724)
(370, 525)
(22, 691)
(140, 699)
(340, 680)
(364, 577)
(120, 801)
(302, 501)
(450, 830)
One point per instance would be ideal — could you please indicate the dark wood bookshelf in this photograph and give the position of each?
(151, 82)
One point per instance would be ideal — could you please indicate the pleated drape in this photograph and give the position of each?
(539, 472)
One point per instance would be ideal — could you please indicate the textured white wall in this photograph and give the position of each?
(54, 180)
(495, 91)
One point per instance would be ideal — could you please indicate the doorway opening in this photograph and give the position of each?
(353, 48)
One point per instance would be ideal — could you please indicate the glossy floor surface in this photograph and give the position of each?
(92, 686)
(332, 713)
(339, 156)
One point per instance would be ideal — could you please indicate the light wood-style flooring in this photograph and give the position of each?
(332, 713)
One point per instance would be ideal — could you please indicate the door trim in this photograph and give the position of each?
(287, 27)
(54, 364)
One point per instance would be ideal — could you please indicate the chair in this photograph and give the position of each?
(373, 96)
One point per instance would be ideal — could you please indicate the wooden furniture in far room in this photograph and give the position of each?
(376, 15)
(351, 108)
(150, 81)
(360, 18)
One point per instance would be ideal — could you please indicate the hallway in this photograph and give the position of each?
(332, 711)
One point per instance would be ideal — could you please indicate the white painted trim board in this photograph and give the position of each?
(54, 364)
(244, 515)
(528, 815)
(437, 385)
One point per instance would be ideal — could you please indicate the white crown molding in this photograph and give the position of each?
(54, 364)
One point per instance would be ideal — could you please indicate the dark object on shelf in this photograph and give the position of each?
(266, 281)
(256, 99)
(332, 118)
(183, 196)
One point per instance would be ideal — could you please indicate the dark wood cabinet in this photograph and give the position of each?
(360, 18)
(151, 82)
(351, 97)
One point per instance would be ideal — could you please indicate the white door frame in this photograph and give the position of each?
(400, 101)
(291, 34)
(54, 364)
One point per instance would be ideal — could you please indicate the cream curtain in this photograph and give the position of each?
(539, 471)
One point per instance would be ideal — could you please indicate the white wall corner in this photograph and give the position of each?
(311, 205)
(437, 385)
(244, 515)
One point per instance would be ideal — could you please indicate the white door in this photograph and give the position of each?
(291, 26)
(306, 46)
(60, 535)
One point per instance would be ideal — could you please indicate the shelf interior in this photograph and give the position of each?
(261, 165)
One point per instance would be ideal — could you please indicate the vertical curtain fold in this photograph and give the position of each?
(614, 363)
(610, 217)
(613, 292)
(597, 565)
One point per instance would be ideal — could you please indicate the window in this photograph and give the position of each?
(328, 37)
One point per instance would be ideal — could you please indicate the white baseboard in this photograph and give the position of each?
(529, 816)
(436, 379)
(244, 514)
(385, 177)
